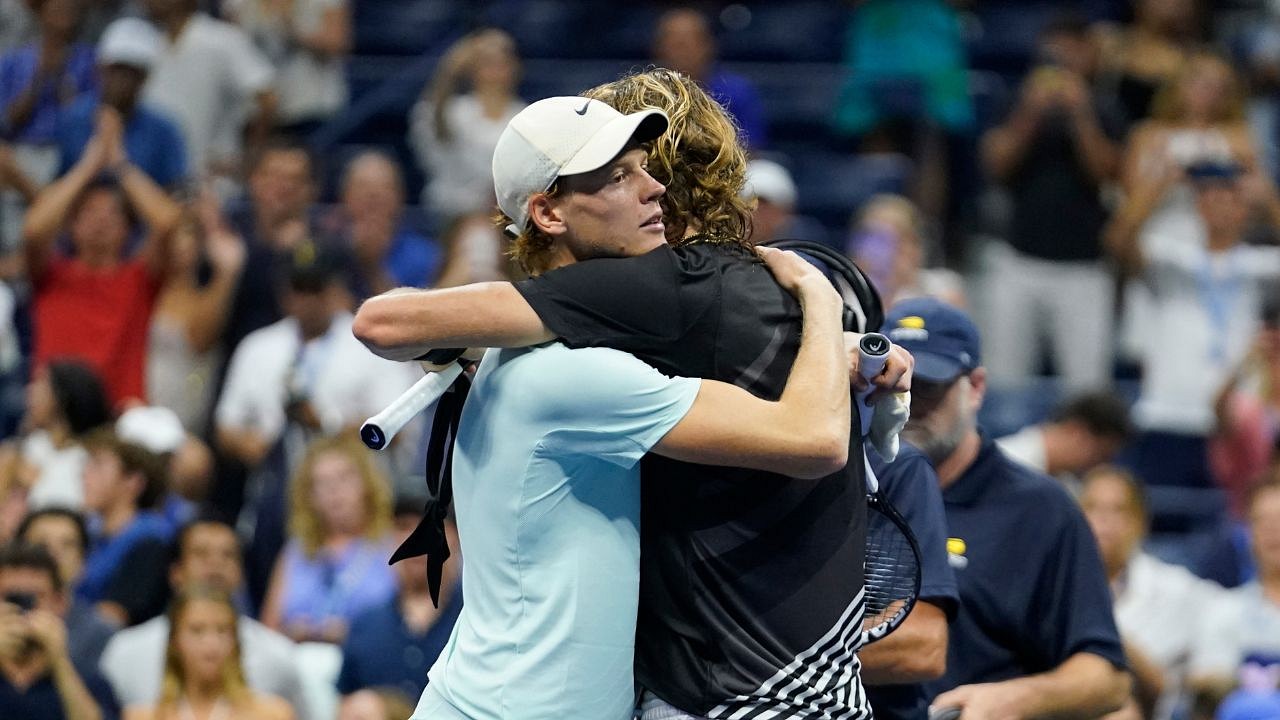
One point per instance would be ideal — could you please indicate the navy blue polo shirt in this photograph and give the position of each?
(381, 651)
(910, 485)
(1032, 588)
(41, 701)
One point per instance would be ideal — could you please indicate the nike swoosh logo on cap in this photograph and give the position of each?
(583, 110)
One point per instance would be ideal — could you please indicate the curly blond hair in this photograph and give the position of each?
(305, 524)
(700, 158)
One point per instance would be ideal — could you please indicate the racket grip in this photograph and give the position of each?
(873, 353)
(377, 431)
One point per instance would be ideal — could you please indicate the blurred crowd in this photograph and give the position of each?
(191, 522)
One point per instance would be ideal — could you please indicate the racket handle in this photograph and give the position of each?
(378, 430)
(873, 353)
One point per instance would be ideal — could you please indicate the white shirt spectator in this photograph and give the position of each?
(133, 662)
(1245, 623)
(308, 86)
(1203, 317)
(1026, 447)
(206, 81)
(1154, 611)
(60, 482)
(460, 171)
(343, 380)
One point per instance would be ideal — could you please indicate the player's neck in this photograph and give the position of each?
(958, 462)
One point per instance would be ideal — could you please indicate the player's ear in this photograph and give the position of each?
(978, 382)
(545, 213)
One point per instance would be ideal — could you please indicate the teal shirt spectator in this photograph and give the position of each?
(905, 58)
(152, 141)
(546, 484)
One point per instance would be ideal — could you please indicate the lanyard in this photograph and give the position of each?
(1219, 295)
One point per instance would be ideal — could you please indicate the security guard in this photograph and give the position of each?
(1034, 635)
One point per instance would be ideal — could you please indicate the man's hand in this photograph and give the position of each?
(795, 274)
(49, 632)
(894, 378)
(985, 701)
(13, 631)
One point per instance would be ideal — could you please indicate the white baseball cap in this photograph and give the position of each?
(154, 427)
(561, 136)
(770, 181)
(129, 41)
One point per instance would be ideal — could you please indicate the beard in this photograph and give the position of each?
(936, 447)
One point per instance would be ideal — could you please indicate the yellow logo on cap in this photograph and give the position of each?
(955, 546)
(915, 322)
(955, 553)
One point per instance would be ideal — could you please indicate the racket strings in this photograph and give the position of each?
(891, 572)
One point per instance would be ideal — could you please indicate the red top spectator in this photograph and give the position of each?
(96, 303)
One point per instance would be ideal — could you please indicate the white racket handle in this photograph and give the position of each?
(873, 353)
(378, 430)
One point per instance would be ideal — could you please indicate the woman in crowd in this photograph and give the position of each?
(1145, 56)
(334, 564)
(190, 315)
(203, 675)
(473, 252)
(889, 242)
(65, 400)
(454, 132)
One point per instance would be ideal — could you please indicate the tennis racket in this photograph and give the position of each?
(377, 431)
(891, 569)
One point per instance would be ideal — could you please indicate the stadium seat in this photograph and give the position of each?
(797, 31)
(831, 187)
(799, 99)
(1003, 33)
(407, 27)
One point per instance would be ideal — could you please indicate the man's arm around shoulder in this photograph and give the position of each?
(405, 323)
(805, 433)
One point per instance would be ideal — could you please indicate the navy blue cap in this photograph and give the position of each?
(942, 339)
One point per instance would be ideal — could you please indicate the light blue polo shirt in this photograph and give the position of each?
(546, 481)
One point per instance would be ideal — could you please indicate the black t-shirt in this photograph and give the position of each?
(41, 700)
(1032, 588)
(751, 583)
(1057, 211)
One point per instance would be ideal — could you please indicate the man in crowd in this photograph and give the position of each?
(207, 73)
(38, 680)
(371, 225)
(123, 574)
(1034, 635)
(64, 535)
(152, 141)
(207, 554)
(1086, 432)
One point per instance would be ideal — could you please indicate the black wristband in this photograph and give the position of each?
(441, 356)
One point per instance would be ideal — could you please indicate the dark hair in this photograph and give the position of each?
(79, 394)
(75, 518)
(134, 459)
(184, 533)
(1102, 413)
(108, 184)
(32, 557)
(282, 143)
